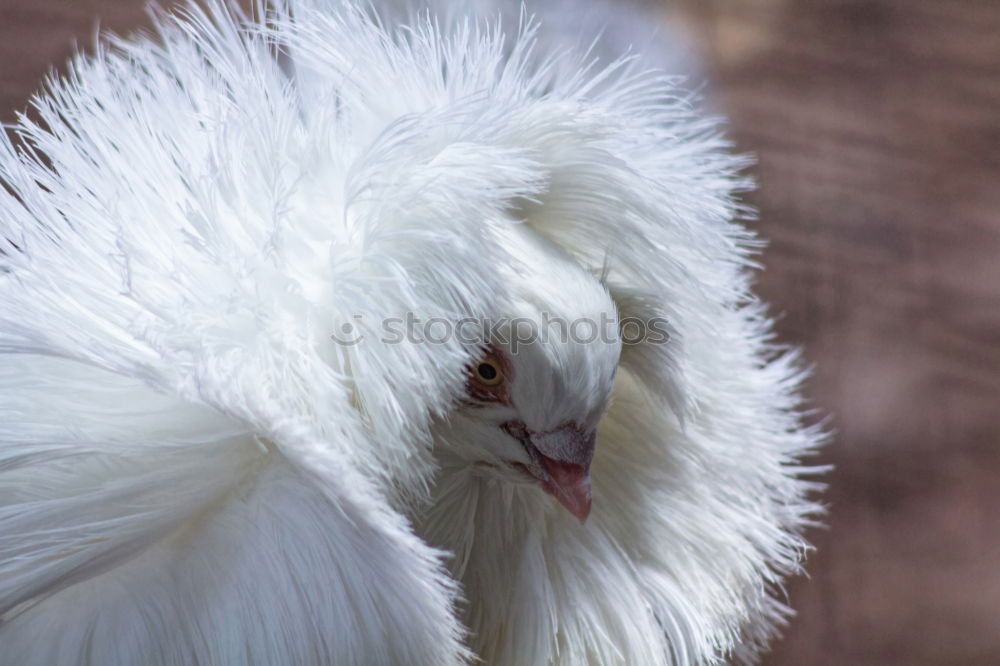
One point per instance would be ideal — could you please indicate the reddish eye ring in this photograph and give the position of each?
(488, 372)
(488, 379)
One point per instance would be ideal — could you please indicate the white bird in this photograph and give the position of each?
(242, 420)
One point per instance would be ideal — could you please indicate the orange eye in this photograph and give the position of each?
(487, 372)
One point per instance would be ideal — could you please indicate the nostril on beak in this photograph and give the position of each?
(568, 443)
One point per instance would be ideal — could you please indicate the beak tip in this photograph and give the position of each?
(570, 485)
(582, 511)
(579, 506)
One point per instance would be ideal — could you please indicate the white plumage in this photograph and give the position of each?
(193, 472)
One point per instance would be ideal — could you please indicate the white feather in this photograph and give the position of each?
(192, 472)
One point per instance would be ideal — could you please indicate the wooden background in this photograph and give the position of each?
(877, 129)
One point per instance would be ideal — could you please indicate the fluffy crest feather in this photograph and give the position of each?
(192, 472)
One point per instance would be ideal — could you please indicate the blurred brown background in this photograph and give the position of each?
(877, 129)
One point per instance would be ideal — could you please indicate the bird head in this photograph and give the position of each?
(533, 398)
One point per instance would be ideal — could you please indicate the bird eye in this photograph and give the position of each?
(488, 372)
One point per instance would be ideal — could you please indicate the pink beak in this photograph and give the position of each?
(570, 484)
(561, 462)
